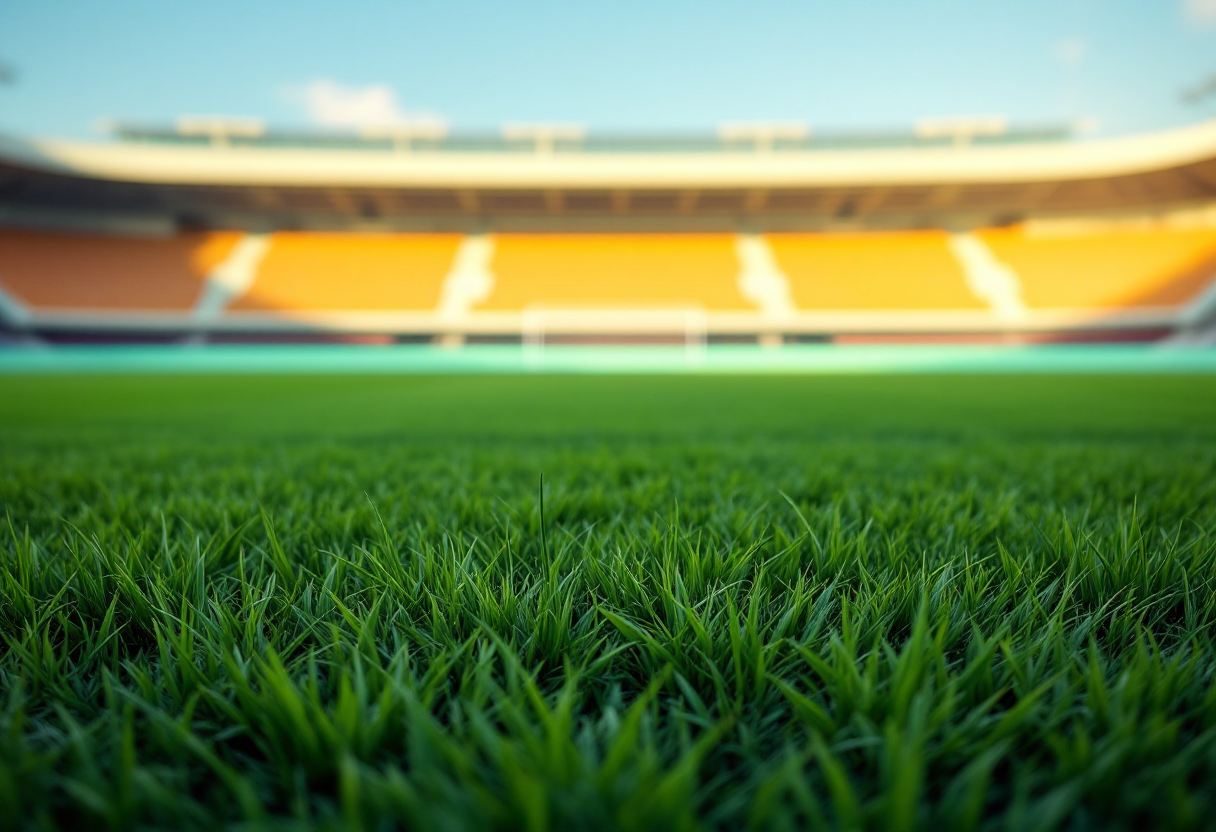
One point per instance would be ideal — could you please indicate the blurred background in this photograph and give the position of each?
(761, 174)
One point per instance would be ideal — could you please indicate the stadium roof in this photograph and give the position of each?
(260, 174)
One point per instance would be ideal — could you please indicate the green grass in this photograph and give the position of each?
(858, 603)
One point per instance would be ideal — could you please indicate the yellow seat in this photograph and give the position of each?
(615, 271)
(1112, 269)
(872, 271)
(351, 272)
(82, 271)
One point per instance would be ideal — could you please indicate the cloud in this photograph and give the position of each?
(333, 105)
(1071, 51)
(1200, 12)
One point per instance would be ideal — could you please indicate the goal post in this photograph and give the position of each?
(688, 323)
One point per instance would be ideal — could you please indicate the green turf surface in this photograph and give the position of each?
(914, 602)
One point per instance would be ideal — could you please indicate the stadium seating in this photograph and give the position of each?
(615, 271)
(52, 271)
(1123, 268)
(347, 272)
(1090, 269)
(872, 271)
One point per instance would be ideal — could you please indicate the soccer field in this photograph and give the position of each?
(677, 602)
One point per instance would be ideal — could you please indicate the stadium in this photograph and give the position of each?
(363, 472)
(964, 229)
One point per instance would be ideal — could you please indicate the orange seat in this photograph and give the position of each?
(81, 271)
(351, 272)
(615, 271)
(872, 271)
(1110, 269)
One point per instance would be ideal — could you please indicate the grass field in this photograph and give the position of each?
(673, 603)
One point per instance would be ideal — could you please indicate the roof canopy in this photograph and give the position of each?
(731, 179)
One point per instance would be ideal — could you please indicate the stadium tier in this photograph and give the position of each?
(912, 270)
(788, 283)
(615, 271)
(1045, 238)
(48, 271)
(321, 272)
(1113, 269)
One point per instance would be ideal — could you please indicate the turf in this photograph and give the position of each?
(608, 603)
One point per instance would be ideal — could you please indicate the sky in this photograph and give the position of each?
(655, 66)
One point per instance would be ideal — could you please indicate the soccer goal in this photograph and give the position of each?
(542, 324)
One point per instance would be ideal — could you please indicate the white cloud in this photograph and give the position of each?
(334, 105)
(1201, 12)
(1071, 51)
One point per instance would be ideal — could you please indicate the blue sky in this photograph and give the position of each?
(647, 65)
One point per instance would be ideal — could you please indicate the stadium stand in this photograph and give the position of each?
(899, 270)
(615, 271)
(1114, 269)
(453, 238)
(57, 271)
(318, 271)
